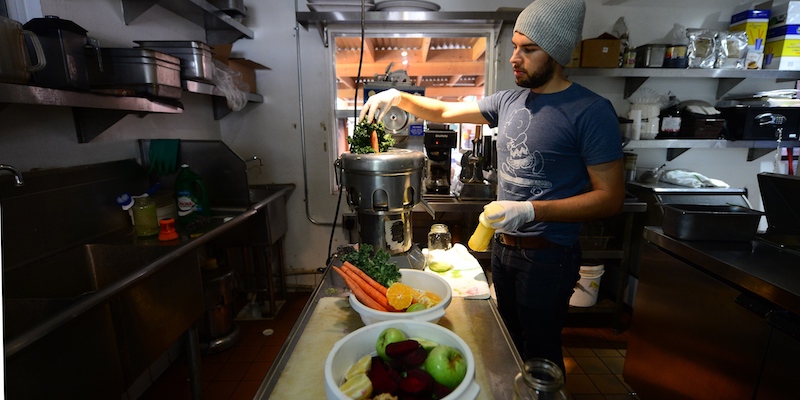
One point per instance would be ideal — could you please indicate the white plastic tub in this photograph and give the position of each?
(362, 341)
(417, 280)
(588, 286)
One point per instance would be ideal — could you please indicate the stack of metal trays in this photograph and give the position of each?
(196, 59)
(134, 72)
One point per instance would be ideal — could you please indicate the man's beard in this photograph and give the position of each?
(539, 77)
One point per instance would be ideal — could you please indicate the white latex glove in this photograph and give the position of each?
(383, 101)
(510, 215)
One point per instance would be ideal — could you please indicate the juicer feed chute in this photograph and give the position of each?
(383, 188)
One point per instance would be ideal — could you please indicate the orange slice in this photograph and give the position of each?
(399, 295)
(428, 298)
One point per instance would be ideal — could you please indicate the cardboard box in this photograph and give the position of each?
(782, 50)
(245, 67)
(601, 52)
(785, 14)
(755, 23)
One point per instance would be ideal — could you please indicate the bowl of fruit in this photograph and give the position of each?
(397, 359)
(418, 295)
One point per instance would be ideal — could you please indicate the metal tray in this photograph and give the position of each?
(195, 57)
(710, 222)
(135, 71)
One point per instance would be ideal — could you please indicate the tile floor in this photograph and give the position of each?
(593, 357)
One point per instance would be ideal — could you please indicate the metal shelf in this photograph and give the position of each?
(676, 147)
(96, 112)
(220, 27)
(728, 78)
(219, 101)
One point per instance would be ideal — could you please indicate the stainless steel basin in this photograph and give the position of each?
(36, 291)
(106, 338)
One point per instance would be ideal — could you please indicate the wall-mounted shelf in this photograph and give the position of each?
(218, 100)
(728, 78)
(220, 27)
(395, 18)
(676, 147)
(95, 112)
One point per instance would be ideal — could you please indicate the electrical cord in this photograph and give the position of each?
(355, 117)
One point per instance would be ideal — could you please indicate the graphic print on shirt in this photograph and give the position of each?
(522, 168)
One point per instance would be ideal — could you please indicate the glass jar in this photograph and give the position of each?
(145, 217)
(439, 241)
(439, 237)
(540, 379)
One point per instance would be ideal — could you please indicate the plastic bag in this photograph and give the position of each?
(230, 83)
(732, 50)
(701, 48)
(682, 177)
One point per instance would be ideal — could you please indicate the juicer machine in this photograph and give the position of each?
(383, 188)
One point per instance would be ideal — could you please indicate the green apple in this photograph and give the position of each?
(446, 365)
(387, 337)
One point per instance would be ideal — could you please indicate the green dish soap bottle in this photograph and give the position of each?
(191, 196)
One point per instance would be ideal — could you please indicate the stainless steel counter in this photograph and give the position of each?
(755, 266)
(496, 367)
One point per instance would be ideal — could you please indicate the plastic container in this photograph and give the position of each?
(145, 218)
(362, 341)
(588, 286)
(480, 239)
(191, 194)
(417, 280)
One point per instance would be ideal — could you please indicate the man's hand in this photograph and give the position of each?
(510, 215)
(383, 101)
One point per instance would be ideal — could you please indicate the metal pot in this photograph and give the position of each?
(64, 44)
(15, 63)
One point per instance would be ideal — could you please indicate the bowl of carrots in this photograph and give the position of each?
(419, 296)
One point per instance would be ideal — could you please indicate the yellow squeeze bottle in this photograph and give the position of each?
(483, 233)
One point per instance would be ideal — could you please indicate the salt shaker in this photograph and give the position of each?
(540, 379)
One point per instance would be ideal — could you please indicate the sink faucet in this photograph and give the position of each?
(18, 181)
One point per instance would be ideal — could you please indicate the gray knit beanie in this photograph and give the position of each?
(554, 25)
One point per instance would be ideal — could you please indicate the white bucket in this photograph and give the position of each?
(587, 287)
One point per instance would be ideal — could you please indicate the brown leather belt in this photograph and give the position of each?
(526, 242)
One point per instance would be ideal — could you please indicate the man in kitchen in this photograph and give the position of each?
(559, 164)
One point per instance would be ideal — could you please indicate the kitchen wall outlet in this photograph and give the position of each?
(349, 222)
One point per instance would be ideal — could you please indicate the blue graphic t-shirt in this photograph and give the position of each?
(545, 142)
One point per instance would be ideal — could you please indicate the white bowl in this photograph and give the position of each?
(417, 280)
(362, 341)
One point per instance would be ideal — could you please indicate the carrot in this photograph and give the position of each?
(364, 276)
(369, 290)
(374, 141)
(360, 294)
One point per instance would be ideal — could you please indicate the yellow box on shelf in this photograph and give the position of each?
(782, 49)
(755, 24)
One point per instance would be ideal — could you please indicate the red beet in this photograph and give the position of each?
(416, 383)
(381, 378)
(440, 391)
(415, 358)
(397, 350)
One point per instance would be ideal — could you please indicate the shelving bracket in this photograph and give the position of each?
(674, 153)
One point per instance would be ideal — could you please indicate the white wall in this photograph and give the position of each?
(35, 137)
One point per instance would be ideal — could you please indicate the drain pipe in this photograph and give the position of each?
(303, 127)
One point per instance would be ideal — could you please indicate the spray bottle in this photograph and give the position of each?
(483, 233)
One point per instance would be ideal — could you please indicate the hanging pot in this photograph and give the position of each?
(64, 43)
(15, 62)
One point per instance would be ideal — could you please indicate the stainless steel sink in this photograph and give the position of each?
(106, 338)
